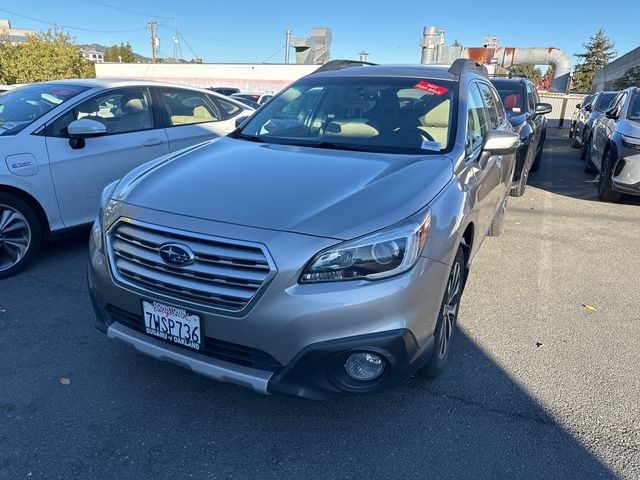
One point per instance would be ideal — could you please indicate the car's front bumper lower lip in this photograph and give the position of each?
(628, 178)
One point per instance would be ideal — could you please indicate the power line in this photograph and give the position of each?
(274, 54)
(104, 4)
(187, 44)
(68, 27)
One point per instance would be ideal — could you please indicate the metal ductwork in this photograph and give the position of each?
(315, 49)
(508, 56)
(434, 51)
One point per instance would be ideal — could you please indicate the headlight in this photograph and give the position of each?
(379, 255)
(630, 142)
(109, 208)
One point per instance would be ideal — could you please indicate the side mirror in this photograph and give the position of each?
(543, 108)
(83, 128)
(612, 113)
(587, 107)
(498, 142)
(241, 119)
(578, 105)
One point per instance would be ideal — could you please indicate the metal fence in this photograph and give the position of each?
(563, 107)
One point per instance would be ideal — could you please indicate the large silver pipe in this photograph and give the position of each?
(428, 45)
(554, 57)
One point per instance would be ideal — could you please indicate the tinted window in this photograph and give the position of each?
(531, 97)
(511, 96)
(491, 105)
(188, 107)
(395, 115)
(604, 101)
(121, 111)
(21, 106)
(477, 125)
(634, 108)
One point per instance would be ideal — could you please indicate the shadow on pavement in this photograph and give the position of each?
(562, 172)
(124, 415)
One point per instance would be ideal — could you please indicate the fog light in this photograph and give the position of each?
(364, 366)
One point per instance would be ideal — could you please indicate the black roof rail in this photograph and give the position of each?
(340, 64)
(462, 65)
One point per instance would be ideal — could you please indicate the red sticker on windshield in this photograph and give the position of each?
(431, 88)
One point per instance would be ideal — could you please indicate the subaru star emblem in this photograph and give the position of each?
(176, 255)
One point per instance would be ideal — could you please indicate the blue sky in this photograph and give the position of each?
(389, 30)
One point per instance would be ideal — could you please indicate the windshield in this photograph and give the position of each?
(511, 95)
(604, 101)
(386, 115)
(22, 106)
(634, 108)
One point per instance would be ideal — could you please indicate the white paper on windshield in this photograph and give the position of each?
(9, 125)
(430, 145)
(515, 109)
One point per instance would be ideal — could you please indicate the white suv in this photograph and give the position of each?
(62, 142)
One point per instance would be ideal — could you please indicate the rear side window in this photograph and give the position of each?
(121, 111)
(188, 107)
(531, 97)
(491, 104)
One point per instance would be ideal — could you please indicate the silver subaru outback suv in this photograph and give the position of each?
(322, 248)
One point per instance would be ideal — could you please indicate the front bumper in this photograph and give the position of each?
(295, 337)
(626, 175)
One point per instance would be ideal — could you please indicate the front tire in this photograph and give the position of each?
(20, 234)
(496, 225)
(606, 193)
(447, 319)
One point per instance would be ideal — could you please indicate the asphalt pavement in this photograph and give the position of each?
(543, 381)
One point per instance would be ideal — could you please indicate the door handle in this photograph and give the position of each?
(152, 142)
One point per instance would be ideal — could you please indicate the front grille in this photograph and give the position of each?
(212, 347)
(224, 275)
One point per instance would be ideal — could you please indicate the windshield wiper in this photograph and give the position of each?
(251, 138)
(334, 146)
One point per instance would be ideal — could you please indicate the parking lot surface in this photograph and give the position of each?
(543, 380)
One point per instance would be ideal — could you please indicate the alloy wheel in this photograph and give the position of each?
(15, 237)
(450, 308)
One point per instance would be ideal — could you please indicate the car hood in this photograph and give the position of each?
(328, 193)
(630, 128)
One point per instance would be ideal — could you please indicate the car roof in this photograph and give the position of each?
(439, 72)
(117, 82)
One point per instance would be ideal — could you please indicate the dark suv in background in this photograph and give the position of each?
(583, 130)
(527, 116)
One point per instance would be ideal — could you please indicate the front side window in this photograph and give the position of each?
(188, 107)
(386, 115)
(22, 106)
(121, 111)
(491, 105)
(634, 108)
(225, 109)
(477, 122)
(531, 98)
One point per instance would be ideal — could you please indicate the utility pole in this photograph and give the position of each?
(287, 46)
(152, 25)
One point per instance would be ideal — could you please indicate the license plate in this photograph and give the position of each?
(173, 324)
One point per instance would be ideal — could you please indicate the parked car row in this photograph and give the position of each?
(607, 128)
(320, 248)
(62, 142)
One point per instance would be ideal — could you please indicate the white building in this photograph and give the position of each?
(93, 56)
(13, 35)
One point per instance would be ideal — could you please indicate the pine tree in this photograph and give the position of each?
(599, 51)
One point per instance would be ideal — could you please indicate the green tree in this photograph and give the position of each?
(631, 78)
(527, 70)
(599, 51)
(456, 43)
(50, 55)
(120, 53)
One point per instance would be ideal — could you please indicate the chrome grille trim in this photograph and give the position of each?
(226, 275)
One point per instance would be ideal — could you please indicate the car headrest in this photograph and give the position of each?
(133, 105)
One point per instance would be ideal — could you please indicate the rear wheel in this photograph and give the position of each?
(447, 319)
(606, 193)
(20, 234)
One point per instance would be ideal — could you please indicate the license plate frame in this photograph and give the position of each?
(172, 324)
